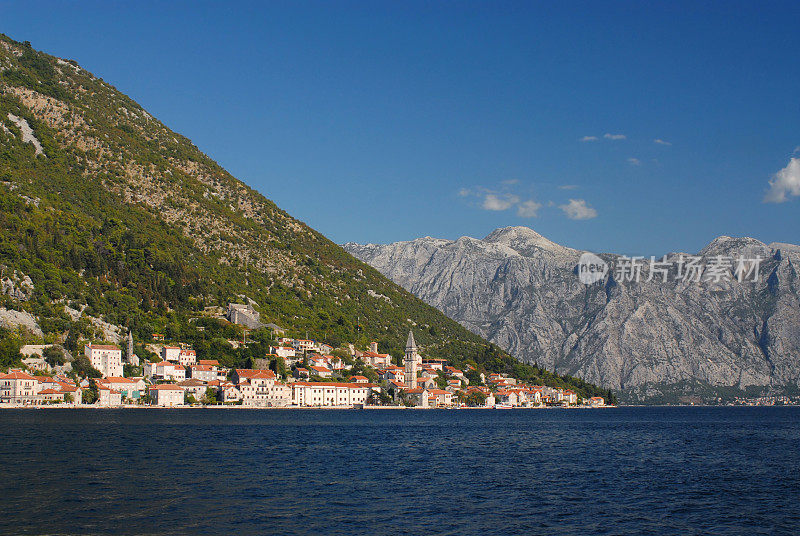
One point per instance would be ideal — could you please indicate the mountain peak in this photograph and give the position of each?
(524, 240)
(728, 245)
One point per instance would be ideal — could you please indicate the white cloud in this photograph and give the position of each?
(634, 161)
(661, 142)
(499, 201)
(614, 136)
(568, 187)
(589, 138)
(502, 199)
(785, 183)
(577, 209)
(528, 209)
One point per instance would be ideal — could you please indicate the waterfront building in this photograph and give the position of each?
(107, 396)
(419, 396)
(18, 387)
(132, 388)
(330, 393)
(166, 395)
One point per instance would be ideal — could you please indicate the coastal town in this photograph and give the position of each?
(300, 373)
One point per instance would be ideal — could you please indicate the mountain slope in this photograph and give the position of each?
(650, 341)
(109, 212)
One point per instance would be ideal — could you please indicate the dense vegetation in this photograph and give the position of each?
(129, 222)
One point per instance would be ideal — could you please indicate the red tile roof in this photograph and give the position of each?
(117, 379)
(252, 373)
(103, 347)
(333, 384)
(17, 375)
(165, 387)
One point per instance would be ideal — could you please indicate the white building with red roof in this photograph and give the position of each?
(303, 345)
(286, 352)
(194, 387)
(265, 393)
(393, 373)
(322, 372)
(376, 360)
(18, 387)
(132, 388)
(261, 388)
(241, 375)
(206, 373)
(439, 398)
(419, 396)
(311, 394)
(164, 370)
(229, 392)
(108, 397)
(597, 401)
(107, 358)
(166, 395)
(187, 357)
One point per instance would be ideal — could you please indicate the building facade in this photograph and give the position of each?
(166, 395)
(106, 358)
(310, 394)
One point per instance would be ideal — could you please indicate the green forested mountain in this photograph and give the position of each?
(108, 211)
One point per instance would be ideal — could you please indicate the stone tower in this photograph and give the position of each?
(130, 356)
(410, 362)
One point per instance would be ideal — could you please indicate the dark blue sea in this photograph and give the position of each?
(324, 472)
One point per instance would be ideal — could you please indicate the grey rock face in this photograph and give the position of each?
(15, 284)
(651, 341)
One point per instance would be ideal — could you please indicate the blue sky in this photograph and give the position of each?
(376, 122)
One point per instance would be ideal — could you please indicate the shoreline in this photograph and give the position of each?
(222, 407)
(370, 408)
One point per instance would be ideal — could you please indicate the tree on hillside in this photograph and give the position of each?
(84, 369)
(54, 356)
(474, 377)
(9, 351)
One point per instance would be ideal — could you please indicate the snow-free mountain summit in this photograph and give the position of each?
(652, 341)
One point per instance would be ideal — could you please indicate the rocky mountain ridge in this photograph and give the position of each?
(650, 341)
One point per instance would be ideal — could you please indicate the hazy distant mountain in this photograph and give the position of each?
(650, 341)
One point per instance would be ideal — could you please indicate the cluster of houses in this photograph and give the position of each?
(179, 378)
(20, 387)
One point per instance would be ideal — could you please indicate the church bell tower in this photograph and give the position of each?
(410, 362)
